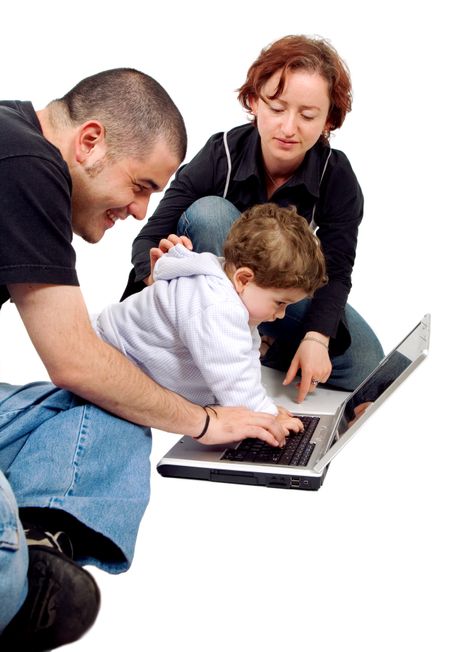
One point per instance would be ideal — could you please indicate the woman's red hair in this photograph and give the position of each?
(301, 52)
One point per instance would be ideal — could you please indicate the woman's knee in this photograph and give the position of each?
(207, 222)
(364, 340)
(212, 204)
(211, 209)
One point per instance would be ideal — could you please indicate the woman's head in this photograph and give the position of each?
(300, 53)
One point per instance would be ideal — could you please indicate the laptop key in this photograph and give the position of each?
(289, 450)
(296, 450)
(306, 455)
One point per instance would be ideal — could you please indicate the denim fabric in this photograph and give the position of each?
(206, 222)
(58, 451)
(13, 556)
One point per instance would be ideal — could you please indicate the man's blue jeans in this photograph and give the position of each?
(58, 451)
(13, 556)
(207, 222)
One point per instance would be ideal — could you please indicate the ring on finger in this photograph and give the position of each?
(315, 381)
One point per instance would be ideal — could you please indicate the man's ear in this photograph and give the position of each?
(242, 277)
(90, 142)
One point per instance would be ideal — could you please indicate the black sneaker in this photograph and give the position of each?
(56, 540)
(62, 603)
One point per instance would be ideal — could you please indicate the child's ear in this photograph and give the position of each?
(242, 277)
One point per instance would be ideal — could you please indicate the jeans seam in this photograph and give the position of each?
(76, 459)
(9, 536)
(186, 225)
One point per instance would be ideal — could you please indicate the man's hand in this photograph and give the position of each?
(313, 360)
(231, 424)
(164, 245)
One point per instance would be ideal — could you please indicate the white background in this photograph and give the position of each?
(362, 564)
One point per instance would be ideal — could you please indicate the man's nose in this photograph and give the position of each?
(138, 208)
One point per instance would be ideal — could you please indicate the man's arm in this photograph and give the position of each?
(76, 359)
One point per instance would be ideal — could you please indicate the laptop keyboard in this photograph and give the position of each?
(296, 452)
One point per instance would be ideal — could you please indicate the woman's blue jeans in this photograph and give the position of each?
(207, 222)
(58, 451)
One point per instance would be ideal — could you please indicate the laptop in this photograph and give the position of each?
(303, 462)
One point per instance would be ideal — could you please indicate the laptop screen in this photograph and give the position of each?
(381, 382)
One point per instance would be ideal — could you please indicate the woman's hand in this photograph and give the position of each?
(164, 245)
(314, 361)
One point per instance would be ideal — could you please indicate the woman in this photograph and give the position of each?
(297, 91)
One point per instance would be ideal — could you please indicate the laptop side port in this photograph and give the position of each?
(295, 483)
(280, 482)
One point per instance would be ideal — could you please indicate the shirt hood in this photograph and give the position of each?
(179, 262)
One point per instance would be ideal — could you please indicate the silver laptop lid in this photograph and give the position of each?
(391, 371)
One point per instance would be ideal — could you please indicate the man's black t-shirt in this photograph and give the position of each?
(35, 204)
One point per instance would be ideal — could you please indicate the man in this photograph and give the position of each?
(74, 458)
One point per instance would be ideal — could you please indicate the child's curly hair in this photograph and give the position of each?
(279, 247)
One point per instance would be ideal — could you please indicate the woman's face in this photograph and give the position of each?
(292, 123)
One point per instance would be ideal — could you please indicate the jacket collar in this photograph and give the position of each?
(307, 174)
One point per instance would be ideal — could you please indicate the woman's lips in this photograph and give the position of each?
(286, 143)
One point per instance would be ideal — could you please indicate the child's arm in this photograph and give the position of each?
(222, 346)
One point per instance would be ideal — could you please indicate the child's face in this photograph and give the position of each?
(268, 304)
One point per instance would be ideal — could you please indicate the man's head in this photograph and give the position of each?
(273, 259)
(122, 138)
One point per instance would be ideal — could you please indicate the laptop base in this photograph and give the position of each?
(271, 480)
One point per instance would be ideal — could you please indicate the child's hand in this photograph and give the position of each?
(288, 422)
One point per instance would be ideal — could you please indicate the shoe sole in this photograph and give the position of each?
(62, 603)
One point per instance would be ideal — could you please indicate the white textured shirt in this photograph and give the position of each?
(189, 331)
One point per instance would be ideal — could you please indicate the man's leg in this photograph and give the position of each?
(13, 556)
(61, 453)
(45, 599)
(76, 468)
(207, 222)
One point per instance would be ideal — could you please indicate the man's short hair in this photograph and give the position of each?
(278, 246)
(134, 109)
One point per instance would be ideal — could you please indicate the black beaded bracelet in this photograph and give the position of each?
(205, 427)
